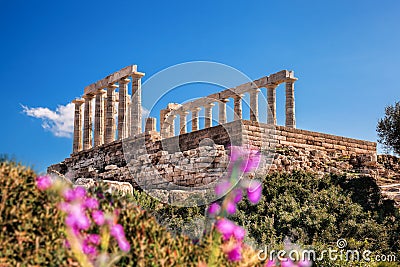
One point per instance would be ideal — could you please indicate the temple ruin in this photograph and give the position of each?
(130, 110)
(117, 148)
(104, 93)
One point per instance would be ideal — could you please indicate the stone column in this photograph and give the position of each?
(129, 126)
(150, 125)
(87, 123)
(99, 118)
(208, 115)
(290, 107)
(171, 121)
(195, 118)
(164, 126)
(110, 113)
(237, 106)
(254, 104)
(182, 121)
(136, 124)
(77, 146)
(222, 110)
(123, 109)
(271, 108)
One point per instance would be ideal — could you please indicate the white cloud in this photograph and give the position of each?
(59, 122)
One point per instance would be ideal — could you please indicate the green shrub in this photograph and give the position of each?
(318, 211)
(310, 210)
(31, 228)
(30, 224)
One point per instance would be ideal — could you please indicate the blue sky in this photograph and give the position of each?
(345, 54)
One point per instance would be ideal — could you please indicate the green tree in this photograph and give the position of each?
(389, 128)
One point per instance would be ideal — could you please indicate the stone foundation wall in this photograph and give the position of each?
(199, 158)
(291, 137)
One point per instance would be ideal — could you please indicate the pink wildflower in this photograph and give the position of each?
(80, 192)
(98, 217)
(230, 207)
(63, 206)
(69, 195)
(251, 161)
(304, 263)
(77, 218)
(249, 157)
(287, 263)
(91, 203)
(238, 195)
(270, 263)
(228, 228)
(214, 209)
(123, 244)
(93, 238)
(236, 152)
(77, 193)
(254, 192)
(43, 182)
(239, 233)
(117, 231)
(67, 244)
(225, 227)
(89, 249)
(236, 253)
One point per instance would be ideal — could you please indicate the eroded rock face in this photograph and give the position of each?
(188, 161)
(204, 165)
(124, 188)
(86, 183)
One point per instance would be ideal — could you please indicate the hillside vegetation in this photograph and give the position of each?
(309, 210)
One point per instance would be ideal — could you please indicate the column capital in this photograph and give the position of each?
(238, 96)
(183, 112)
(271, 85)
(124, 81)
(88, 96)
(195, 109)
(254, 91)
(209, 105)
(112, 86)
(172, 114)
(137, 75)
(100, 92)
(78, 101)
(224, 100)
(291, 80)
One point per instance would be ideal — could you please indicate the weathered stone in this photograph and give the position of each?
(111, 167)
(78, 145)
(200, 157)
(122, 187)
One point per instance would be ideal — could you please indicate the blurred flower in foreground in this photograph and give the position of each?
(242, 160)
(87, 228)
(43, 182)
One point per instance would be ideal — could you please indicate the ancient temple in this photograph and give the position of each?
(117, 148)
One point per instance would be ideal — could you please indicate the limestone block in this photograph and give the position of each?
(111, 167)
(85, 182)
